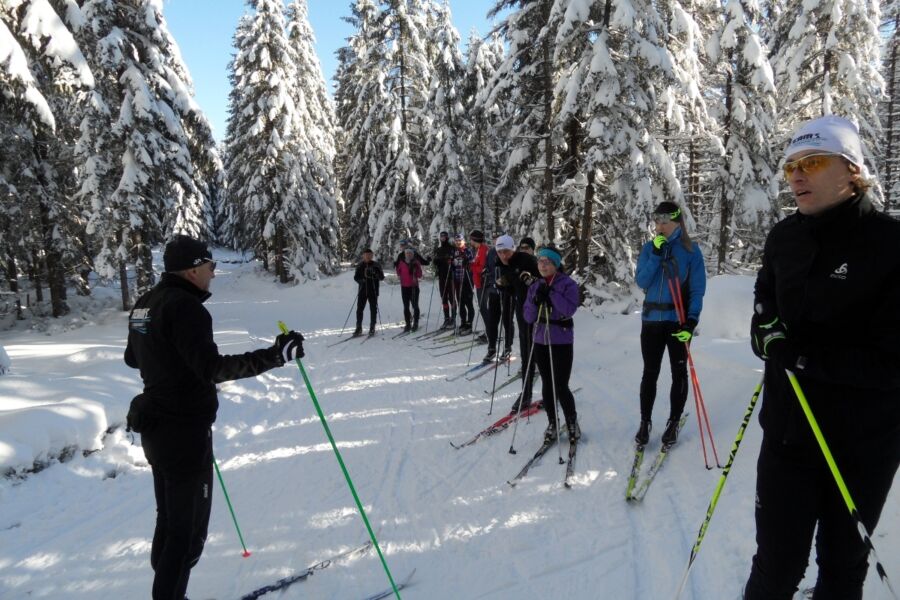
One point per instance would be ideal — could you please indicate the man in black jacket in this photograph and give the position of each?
(443, 255)
(826, 301)
(369, 276)
(515, 272)
(170, 339)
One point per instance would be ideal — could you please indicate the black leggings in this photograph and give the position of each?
(463, 292)
(525, 329)
(410, 296)
(562, 369)
(182, 464)
(656, 337)
(796, 497)
(493, 307)
(361, 300)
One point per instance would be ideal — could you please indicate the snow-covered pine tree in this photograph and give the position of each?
(314, 240)
(890, 106)
(38, 173)
(278, 190)
(618, 81)
(448, 199)
(486, 148)
(359, 93)
(826, 55)
(395, 213)
(748, 186)
(527, 77)
(136, 160)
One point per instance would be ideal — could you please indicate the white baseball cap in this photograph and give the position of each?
(505, 242)
(832, 134)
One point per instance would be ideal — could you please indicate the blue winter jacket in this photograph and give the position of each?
(651, 277)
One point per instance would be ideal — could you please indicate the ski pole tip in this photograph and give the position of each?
(246, 553)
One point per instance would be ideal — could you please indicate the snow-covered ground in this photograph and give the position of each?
(81, 528)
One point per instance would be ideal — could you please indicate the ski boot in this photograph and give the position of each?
(574, 432)
(550, 434)
(504, 356)
(525, 402)
(643, 433)
(415, 325)
(465, 328)
(407, 328)
(491, 354)
(358, 331)
(670, 435)
(371, 331)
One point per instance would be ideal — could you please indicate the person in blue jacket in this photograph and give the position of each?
(668, 255)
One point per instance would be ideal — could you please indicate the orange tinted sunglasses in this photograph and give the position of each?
(809, 164)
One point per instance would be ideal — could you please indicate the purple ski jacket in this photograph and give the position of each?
(565, 299)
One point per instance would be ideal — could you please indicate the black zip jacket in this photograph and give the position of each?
(368, 276)
(508, 277)
(170, 339)
(443, 254)
(834, 280)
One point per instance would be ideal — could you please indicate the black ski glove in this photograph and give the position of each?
(527, 278)
(542, 294)
(767, 332)
(290, 346)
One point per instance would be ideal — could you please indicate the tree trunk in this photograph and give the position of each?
(143, 261)
(548, 143)
(12, 273)
(890, 200)
(123, 276)
(725, 203)
(587, 220)
(36, 277)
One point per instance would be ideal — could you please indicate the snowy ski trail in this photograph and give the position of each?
(73, 531)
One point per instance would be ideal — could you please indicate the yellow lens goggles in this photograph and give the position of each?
(811, 163)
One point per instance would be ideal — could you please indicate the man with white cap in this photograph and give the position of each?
(495, 305)
(825, 303)
(515, 272)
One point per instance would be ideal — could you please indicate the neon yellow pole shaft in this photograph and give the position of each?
(721, 485)
(337, 453)
(835, 472)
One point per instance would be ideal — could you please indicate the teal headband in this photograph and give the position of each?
(551, 255)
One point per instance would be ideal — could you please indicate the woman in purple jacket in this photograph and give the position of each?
(554, 297)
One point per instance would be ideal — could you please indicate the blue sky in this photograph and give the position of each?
(204, 28)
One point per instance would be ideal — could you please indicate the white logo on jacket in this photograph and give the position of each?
(840, 272)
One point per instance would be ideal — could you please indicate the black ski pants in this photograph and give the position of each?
(361, 300)
(463, 292)
(181, 459)
(563, 355)
(498, 312)
(445, 285)
(525, 331)
(796, 494)
(410, 297)
(656, 338)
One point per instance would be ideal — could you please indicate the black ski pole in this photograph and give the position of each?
(530, 365)
(347, 320)
(556, 405)
(497, 358)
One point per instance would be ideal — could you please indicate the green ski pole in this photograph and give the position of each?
(851, 506)
(246, 552)
(715, 497)
(337, 453)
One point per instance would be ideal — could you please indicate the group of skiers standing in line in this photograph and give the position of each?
(511, 283)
